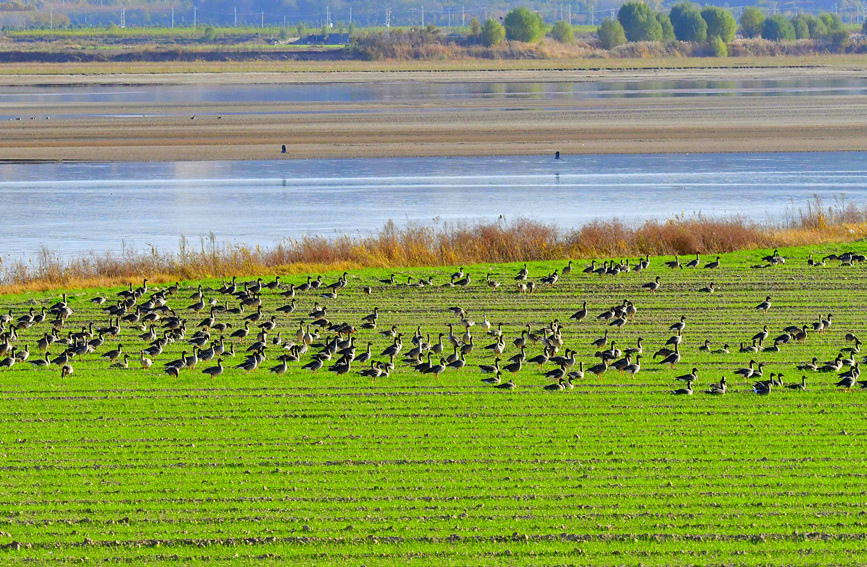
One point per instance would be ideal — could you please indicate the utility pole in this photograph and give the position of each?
(462, 16)
(388, 17)
(173, 17)
(570, 14)
(51, 18)
(123, 17)
(236, 16)
(262, 25)
(350, 15)
(422, 15)
(194, 15)
(450, 16)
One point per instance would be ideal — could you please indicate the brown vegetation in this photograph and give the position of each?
(521, 240)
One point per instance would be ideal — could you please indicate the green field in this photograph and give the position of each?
(133, 466)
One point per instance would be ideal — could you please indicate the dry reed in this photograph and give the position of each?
(413, 245)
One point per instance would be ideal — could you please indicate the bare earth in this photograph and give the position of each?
(138, 132)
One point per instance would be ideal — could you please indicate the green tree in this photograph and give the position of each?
(687, 22)
(802, 28)
(840, 41)
(475, 28)
(778, 28)
(562, 32)
(752, 21)
(667, 28)
(639, 22)
(864, 28)
(523, 24)
(831, 21)
(611, 34)
(720, 23)
(493, 33)
(209, 34)
(817, 27)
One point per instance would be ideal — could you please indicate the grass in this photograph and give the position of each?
(133, 466)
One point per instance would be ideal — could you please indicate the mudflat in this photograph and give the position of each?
(120, 131)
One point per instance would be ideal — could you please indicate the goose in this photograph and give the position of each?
(23, 354)
(764, 305)
(850, 337)
(436, 369)
(761, 335)
(601, 341)
(114, 354)
(458, 275)
(673, 264)
(620, 365)
(10, 360)
(556, 374)
(799, 386)
(713, 265)
(832, 366)
(373, 372)
(847, 382)
(489, 369)
(557, 387)
(812, 365)
(772, 258)
(42, 362)
(598, 369)
(684, 391)
(459, 363)
(540, 359)
(762, 388)
(567, 269)
(241, 334)
(581, 314)
(510, 385)
(214, 371)
(723, 350)
(675, 340)
(652, 286)
(124, 364)
(691, 377)
(577, 374)
(634, 367)
(718, 389)
(672, 358)
(591, 268)
(173, 371)
(514, 367)
(66, 371)
(522, 273)
(695, 262)
(826, 323)
(709, 289)
(680, 326)
(493, 284)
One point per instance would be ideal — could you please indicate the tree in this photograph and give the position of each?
(720, 23)
(523, 24)
(639, 22)
(831, 21)
(611, 34)
(752, 20)
(817, 27)
(687, 22)
(778, 28)
(864, 28)
(802, 29)
(667, 28)
(562, 32)
(492, 33)
(475, 28)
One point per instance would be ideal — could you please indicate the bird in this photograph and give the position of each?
(214, 371)
(66, 371)
(799, 386)
(764, 305)
(510, 385)
(718, 389)
(713, 265)
(672, 358)
(652, 286)
(691, 377)
(684, 391)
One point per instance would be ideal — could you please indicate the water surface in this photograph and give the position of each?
(75, 208)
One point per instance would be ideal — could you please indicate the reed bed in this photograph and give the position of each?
(442, 244)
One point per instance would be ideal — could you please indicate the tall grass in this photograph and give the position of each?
(446, 244)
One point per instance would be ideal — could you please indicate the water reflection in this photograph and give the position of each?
(76, 208)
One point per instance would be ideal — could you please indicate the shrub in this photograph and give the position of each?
(475, 28)
(209, 34)
(611, 34)
(817, 27)
(752, 21)
(719, 47)
(639, 22)
(720, 23)
(839, 41)
(778, 28)
(831, 21)
(523, 24)
(493, 33)
(562, 32)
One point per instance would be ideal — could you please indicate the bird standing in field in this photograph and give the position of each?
(652, 286)
(764, 305)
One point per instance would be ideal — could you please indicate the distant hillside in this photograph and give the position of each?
(340, 13)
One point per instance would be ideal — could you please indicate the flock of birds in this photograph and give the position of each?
(320, 343)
